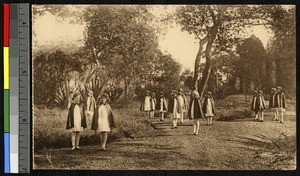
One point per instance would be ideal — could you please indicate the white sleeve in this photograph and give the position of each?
(88, 103)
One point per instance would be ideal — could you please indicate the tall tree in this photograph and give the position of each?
(120, 39)
(252, 63)
(282, 49)
(216, 26)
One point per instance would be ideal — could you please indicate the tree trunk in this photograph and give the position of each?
(197, 65)
(206, 73)
(244, 86)
(211, 36)
(126, 87)
(272, 74)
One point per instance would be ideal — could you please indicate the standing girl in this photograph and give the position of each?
(171, 102)
(152, 105)
(254, 97)
(146, 104)
(162, 106)
(176, 109)
(259, 106)
(195, 111)
(271, 103)
(103, 120)
(76, 120)
(280, 102)
(208, 108)
(184, 104)
(90, 106)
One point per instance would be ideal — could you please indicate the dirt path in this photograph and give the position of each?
(225, 145)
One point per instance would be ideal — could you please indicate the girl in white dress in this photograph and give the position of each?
(184, 104)
(162, 106)
(195, 111)
(103, 120)
(76, 120)
(90, 106)
(208, 108)
(147, 103)
(177, 109)
(152, 105)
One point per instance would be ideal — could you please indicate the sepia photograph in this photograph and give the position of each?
(163, 87)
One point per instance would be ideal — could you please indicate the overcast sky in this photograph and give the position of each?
(51, 30)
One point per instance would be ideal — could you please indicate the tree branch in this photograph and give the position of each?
(212, 13)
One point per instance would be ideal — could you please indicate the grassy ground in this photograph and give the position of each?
(50, 127)
(236, 144)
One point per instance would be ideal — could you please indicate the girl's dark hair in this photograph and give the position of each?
(75, 95)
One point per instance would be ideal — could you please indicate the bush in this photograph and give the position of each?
(50, 127)
(50, 69)
(233, 107)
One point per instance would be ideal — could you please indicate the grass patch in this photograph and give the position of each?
(279, 155)
(50, 127)
(234, 107)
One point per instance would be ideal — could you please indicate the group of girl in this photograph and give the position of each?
(177, 106)
(277, 103)
(99, 116)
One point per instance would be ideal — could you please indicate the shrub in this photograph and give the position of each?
(50, 132)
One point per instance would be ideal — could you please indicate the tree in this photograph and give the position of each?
(252, 64)
(121, 40)
(217, 27)
(165, 75)
(187, 78)
(50, 69)
(282, 49)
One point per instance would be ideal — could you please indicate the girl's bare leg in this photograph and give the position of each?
(73, 138)
(207, 118)
(77, 139)
(198, 126)
(104, 137)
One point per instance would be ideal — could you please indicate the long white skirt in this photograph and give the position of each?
(103, 123)
(77, 119)
(147, 104)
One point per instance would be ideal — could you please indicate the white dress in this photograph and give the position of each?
(181, 101)
(77, 119)
(209, 111)
(147, 104)
(103, 123)
(162, 105)
(176, 115)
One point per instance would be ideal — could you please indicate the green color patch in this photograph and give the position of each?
(6, 111)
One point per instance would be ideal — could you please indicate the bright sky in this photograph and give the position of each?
(50, 31)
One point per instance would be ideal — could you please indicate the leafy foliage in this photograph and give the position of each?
(253, 62)
(49, 70)
(121, 40)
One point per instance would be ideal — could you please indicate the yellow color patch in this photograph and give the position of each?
(6, 67)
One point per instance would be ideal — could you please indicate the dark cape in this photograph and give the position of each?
(205, 104)
(252, 102)
(70, 120)
(197, 110)
(257, 106)
(152, 99)
(171, 105)
(271, 101)
(164, 108)
(280, 101)
(110, 118)
(142, 105)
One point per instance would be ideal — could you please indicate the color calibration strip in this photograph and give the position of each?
(16, 66)
(6, 30)
(14, 87)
